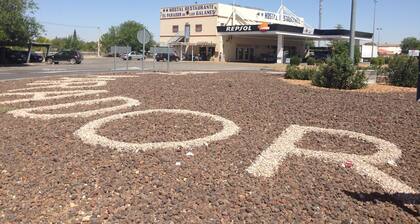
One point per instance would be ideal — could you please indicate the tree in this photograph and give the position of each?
(410, 43)
(17, 23)
(124, 34)
(73, 42)
(340, 47)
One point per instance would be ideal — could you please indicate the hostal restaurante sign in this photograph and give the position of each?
(189, 11)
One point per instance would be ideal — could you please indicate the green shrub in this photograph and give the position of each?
(341, 47)
(403, 71)
(387, 60)
(379, 61)
(319, 61)
(339, 73)
(295, 60)
(294, 72)
(311, 61)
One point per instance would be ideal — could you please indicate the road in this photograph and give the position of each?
(103, 65)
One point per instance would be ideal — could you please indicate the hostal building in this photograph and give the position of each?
(230, 33)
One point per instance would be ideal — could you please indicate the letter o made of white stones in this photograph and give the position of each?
(88, 133)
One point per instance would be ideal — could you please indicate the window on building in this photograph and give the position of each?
(175, 29)
(198, 28)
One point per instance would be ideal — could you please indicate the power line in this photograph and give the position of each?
(70, 25)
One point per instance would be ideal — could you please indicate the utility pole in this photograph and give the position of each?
(321, 12)
(321, 9)
(379, 35)
(353, 29)
(418, 83)
(374, 27)
(99, 41)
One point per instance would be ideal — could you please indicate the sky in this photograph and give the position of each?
(397, 18)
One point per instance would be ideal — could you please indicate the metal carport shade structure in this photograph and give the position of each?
(28, 45)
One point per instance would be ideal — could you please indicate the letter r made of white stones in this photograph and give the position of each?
(267, 164)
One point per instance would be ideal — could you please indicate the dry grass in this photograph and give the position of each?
(4, 109)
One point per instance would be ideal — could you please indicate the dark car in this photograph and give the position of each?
(164, 57)
(15, 57)
(74, 57)
(36, 58)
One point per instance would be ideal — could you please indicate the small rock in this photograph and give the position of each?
(72, 205)
(348, 164)
(347, 221)
(178, 164)
(190, 154)
(392, 163)
(86, 218)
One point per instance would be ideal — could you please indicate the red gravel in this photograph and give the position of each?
(160, 127)
(48, 175)
(333, 143)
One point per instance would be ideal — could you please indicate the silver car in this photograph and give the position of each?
(132, 55)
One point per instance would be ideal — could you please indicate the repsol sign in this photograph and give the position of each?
(238, 28)
(263, 27)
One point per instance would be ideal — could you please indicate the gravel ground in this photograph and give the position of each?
(49, 175)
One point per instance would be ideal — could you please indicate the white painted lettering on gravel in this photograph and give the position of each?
(27, 112)
(63, 85)
(88, 133)
(52, 95)
(268, 162)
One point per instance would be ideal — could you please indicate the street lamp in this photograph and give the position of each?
(374, 26)
(379, 29)
(353, 29)
(99, 41)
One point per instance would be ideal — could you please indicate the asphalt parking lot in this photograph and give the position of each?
(104, 65)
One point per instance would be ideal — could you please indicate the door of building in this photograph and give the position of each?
(245, 54)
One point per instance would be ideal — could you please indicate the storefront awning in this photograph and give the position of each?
(278, 29)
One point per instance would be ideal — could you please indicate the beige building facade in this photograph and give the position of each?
(222, 32)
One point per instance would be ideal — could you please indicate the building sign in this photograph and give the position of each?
(264, 27)
(241, 28)
(271, 16)
(292, 19)
(189, 11)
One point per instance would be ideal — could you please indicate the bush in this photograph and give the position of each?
(319, 61)
(294, 72)
(341, 47)
(339, 73)
(403, 71)
(311, 61)
(379, 61)
(295, 60)
(387, 60)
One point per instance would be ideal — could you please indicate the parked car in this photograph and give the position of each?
(72, 56)
(15, 57)
(35, 58)
(164, 57)
(188, 57)
(132, 55)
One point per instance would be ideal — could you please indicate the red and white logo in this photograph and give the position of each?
(264, 27)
